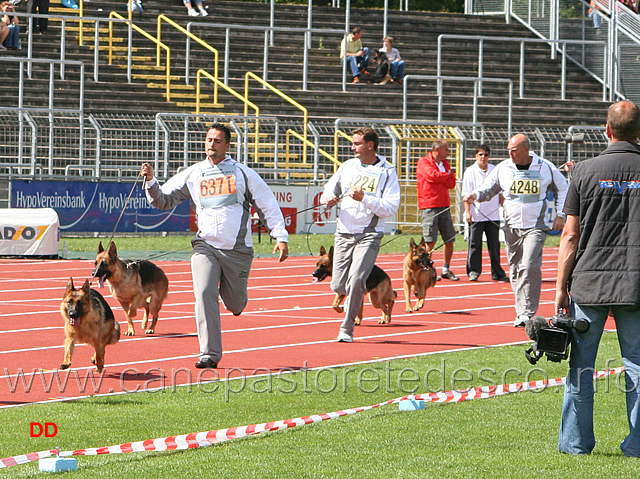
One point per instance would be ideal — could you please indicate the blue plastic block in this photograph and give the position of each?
(411, 404)
(58, 464)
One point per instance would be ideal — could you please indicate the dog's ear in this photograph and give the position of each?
(412, 243)
(69, 286)
(100, 248)
(322, 251)
(86, 287)
(113, 252)
(331, 252)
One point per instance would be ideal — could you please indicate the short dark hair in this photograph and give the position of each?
(355, 30)
(484, 148)
(623, 119)
(223, 128)
(368, 134)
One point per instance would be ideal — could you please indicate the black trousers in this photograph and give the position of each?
(474, 260)
(41, 7)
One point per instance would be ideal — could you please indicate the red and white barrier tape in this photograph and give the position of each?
(207, 438)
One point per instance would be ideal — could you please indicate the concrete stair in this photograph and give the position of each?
(416, 36)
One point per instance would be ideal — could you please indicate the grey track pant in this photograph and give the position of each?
(217, 274)
(353, 260)
(524, 253)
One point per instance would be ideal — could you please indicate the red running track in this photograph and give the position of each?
(288, 324)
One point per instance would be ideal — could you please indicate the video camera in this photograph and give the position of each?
(552, 340)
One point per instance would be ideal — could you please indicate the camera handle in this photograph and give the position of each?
(580, 325)
(532, 355)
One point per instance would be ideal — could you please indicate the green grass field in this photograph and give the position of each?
(510, 436)
(179, 246)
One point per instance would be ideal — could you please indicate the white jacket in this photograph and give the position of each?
(473, 178)
(525, 192)
(224, 215)
(381, 199)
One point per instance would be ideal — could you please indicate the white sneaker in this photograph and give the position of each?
(2, 47)
(192, 13)
(520, 321)
(203, 12)
(345, 337)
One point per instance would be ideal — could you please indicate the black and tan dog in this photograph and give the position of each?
(378, 286)
(134, 284)
(418, 274)
(381, 74)
(87, 319)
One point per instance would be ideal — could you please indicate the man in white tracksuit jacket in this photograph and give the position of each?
(525, 181)
(223, 192)
(369, 188)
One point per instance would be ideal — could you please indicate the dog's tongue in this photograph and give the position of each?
(101, 281)
(72, 321)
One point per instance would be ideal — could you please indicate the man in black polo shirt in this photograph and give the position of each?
(598, 272)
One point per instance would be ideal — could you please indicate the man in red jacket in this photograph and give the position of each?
(435, 179)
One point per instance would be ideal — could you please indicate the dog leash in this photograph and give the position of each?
(115, 228)
(395, 237)
(520, 239)
(326, 208)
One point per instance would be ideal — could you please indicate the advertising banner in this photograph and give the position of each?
(29, 232)
(90, 207)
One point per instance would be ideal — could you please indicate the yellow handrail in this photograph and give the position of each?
(196, 39)
(311, 144)
(337, 134)
(246, 102)
(153, 39)
(81, 14)
(282, 95)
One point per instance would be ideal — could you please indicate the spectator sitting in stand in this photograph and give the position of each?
(593, 14)
(356, 55)
(192, 11)
(4, 33)
(396, 61)
(9, 28)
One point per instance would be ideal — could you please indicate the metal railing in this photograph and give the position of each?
(523, 41)
(284, 96)
(157, 41)
(618, 26)
(190, 36)
(476, 94)
(113, 147)
(268, 42)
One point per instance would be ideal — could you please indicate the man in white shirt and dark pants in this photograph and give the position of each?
(483, 218)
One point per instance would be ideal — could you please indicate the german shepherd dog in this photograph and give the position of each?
(134, 284)
(418, 274)
(87, 319)
(378, 286)
(381, 74)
